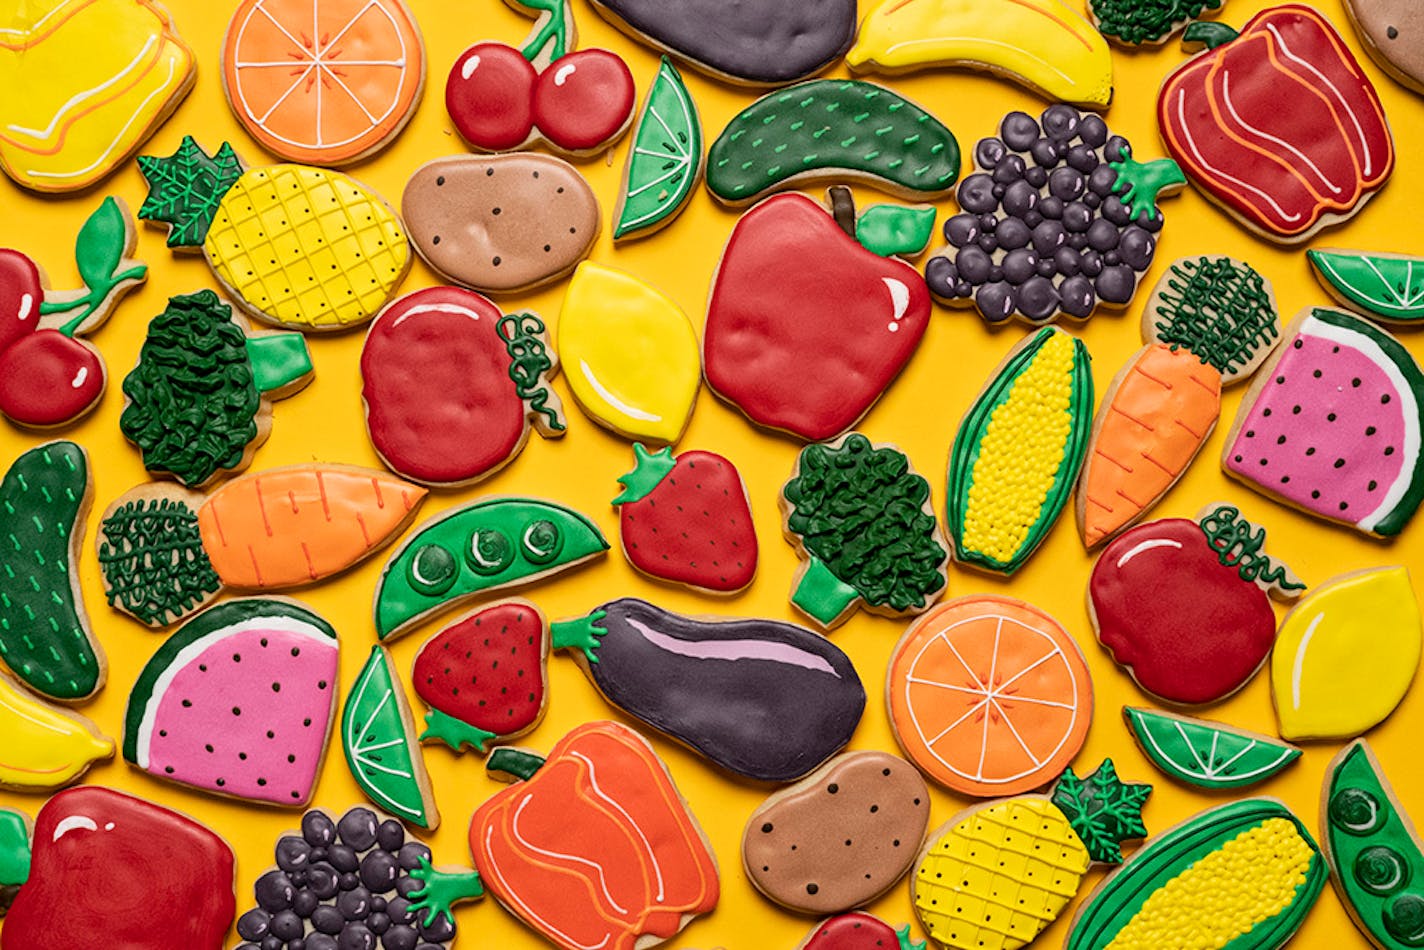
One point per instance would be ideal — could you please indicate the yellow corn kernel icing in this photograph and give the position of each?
(1021, 453)
(1000, 876)
(1245, 882)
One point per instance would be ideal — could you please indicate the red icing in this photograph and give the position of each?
(799, 326)
(854, 931)
(20, 296)
(124, 874)
(441, 406)
(1187, 627)
(486, 670)
(695, 527)
(1281, 124)
(488, 96)
(48, 379)
(583, 100)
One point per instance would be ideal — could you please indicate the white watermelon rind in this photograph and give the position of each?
(196, 637)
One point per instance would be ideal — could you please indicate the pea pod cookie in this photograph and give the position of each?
(1374, 850)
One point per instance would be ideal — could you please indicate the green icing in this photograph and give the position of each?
(1238, 543)
(43, 635)
(14, 852)
(1168, 855)
(1388, 286)
(193, 398)
(379, 742)
(858, 511)
(1377, 859)
(903, 935)
(152, 559)
(456, 733)
(98, 253)
(185, 189)
(1103, 810)
(832, 125)
(1217, 310)
(513, 764)
(1140, 184)
(1205, 754)
(891, 229)
(665, 159)
(975, 426)
(278, 360)
(1146, 21)
(583, 634)
(529, 366)
(553, 29)
(442, 890)
(1208, 35)
(481, 547)
(649, 469)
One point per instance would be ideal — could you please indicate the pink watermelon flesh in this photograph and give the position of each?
(248, 715)
(1329, 431)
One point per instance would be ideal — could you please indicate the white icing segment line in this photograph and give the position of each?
(597, 869)
(1298, 667)
(735, 650)
(1343, 103)
(1144, 546)
(631, 412)
(510, 895)
(1300, 156)
(632, 823)
(1192, 146)
(362, 753)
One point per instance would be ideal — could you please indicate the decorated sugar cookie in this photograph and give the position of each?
(500, 223)
(484, 676)
(381, 745)
(239, 701)
(1387, 287)
(96, 858)
(1389, 30)
(665, 161)
(1296, 141)
(765, 700)
(1058, 218)
(83, 84)
(858, 930)
(1185, 606)
(452, 386)
(755, 43)
(1210, 322)
(810, 318)
(1346, 655)
(1133, 23)
(199, 402)
(48, 375)
(325, 82)
(832, 130)
(1209, 755)
(1373, 848)
(630, 354)
(591, 847)
(1332, 425)
(165, 552)
(989, 696)
(298, 247)
(576, 102)
(1046, 45)
(45, 638)
(687, 519)
(310, 874)
(1243, 874)
(840, 837)
(997, 874)
(45, 747)
(860, 520)
(476, 549)
(1018, 451)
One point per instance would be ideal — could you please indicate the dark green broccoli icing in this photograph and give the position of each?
(152, 558)
(1218, 310)
(1146, 21)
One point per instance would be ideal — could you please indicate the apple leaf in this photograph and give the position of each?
(890, 230)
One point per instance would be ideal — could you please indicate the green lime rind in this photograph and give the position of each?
(1204, 754)
(379, 739)
(1387, 286)
(826, 128)
(665, 160)
(1373, 850)
(1173, 853)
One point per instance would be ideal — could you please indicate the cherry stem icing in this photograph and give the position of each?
(91, 301)
(555, 29)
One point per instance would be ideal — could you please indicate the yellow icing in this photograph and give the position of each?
(1045, 44)
(999, 877)
(43, 747)
(1020, 454)
(1248, 880)
(630, 354)
(82, 84)
(307, 247)
(1345, 656)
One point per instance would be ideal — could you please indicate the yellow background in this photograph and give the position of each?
(920, 413)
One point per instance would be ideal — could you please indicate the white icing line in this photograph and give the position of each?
(1144, 546)
(561, 856)
(1201, 160)
(1298, 667)
(79, 97)
(647, 845)
(1275, 140)
(1344, 103)
(509, 895)
(630, 411)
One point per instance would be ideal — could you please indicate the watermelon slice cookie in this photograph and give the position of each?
(382, 750)
(239, 702)
(1332, 426)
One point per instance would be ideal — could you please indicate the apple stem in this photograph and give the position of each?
(555, 29)
(843, 208)
(513, 765)
(1207, 35)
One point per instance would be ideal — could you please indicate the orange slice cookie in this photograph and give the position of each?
(989, 696)
(325, 82)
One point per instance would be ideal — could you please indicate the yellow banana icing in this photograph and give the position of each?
(44, 747)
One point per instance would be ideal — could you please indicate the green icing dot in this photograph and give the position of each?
(542, 542)
(1357, 811)
(433, 570)
(489, 552)
(1381, 870)
(1404, 919)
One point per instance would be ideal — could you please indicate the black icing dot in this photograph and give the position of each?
(439, 181)
(833, 788)
(1355, 382)
(812, 888)
(1295, 410)
(1315, 494)
(1392, 32)
(1330, 417)
(1372, 485)
(1369, 430)
(1384, 400)
(1389, 450)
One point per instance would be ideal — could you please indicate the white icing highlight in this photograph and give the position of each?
(448, 308)
(899, 299)
(79, 377)
(468, 67)
(562, 74)
(1298, 667)
(74, 823)
(631, 411)
(734, 650)
(1147, 546)
(27, 306)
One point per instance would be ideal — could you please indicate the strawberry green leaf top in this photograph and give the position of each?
(1104, 810)
(185, 189)
(648, 472)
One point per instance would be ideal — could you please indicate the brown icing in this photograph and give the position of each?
(1393, 31)
(500, 223)
(840, 837)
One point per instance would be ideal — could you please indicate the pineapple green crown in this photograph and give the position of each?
(1218, 309)
(185, 189)
(1103, 810)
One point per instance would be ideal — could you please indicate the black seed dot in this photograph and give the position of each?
(811, 888)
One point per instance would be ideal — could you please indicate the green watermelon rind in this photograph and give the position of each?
(192, 639)
(408, 799)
